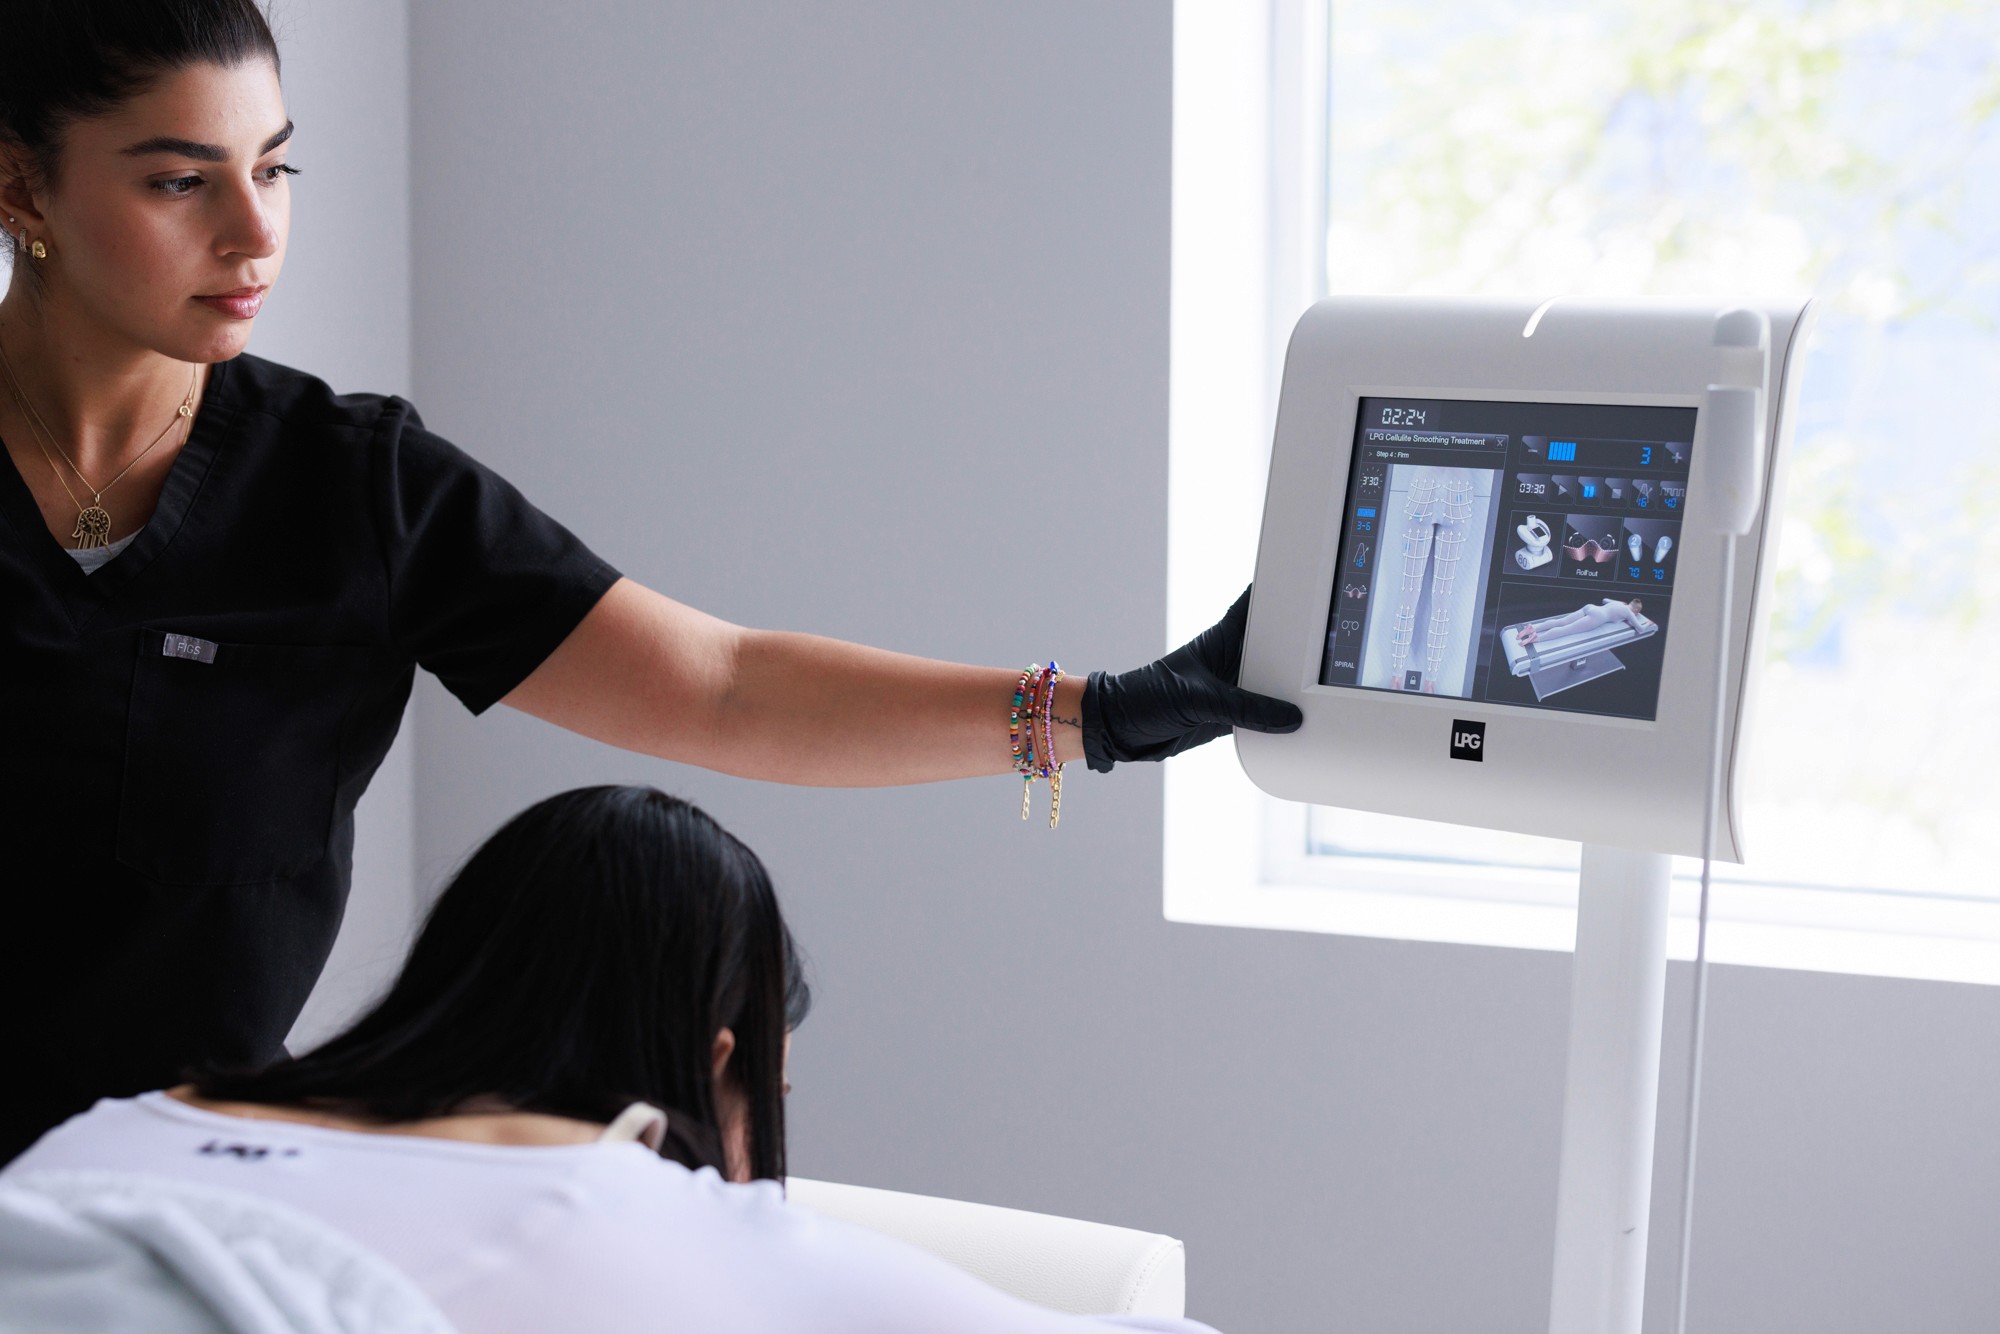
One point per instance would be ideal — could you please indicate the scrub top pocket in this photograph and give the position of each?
(232, 758)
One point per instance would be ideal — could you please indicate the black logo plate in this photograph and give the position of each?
(1468, 740)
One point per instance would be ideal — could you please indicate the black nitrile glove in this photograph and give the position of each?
(1185, 699)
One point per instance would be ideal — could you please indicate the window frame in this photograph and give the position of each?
(1251, 120)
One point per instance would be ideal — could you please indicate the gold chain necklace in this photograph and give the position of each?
(93, 521)
(63, 482)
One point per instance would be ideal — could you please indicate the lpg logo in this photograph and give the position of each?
(1468, 740)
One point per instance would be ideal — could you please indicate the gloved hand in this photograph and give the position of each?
(1185, 699)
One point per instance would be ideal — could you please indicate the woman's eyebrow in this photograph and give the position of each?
(200, 152)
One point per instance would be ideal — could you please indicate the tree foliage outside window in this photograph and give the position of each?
(1850, 148)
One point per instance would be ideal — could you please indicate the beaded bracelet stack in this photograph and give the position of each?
(1035, 755)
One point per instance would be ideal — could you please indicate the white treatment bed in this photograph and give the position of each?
(1555, 665)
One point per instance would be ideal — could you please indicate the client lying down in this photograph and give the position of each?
(1608, 612)
(568, 1111)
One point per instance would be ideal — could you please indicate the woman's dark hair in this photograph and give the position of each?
(62, 61)
(583, 958)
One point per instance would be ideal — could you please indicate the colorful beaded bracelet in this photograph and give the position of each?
(1051, 770)
(1021, 728)
(1014, 716)
(1035, 700)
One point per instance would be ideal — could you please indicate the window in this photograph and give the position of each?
(1845, 147)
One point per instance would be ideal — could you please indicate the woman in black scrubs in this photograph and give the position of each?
(217, 577)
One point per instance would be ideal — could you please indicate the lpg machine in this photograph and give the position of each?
(1514, 564)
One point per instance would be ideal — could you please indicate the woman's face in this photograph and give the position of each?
(179, 194)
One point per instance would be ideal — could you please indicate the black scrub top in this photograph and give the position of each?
(184, 734)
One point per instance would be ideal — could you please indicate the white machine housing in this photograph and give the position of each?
(1591, 778)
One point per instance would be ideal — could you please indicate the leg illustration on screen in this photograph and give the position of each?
(1419, 523)
(1583, 619)
(1452, 525)
(1437, 515)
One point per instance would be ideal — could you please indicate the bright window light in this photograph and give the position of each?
(1850, 149)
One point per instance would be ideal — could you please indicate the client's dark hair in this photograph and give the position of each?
(584, 957)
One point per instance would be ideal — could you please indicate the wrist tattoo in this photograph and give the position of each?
(1077, 723)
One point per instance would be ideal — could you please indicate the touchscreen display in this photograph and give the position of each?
(1514, 553)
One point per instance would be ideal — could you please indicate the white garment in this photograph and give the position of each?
(1590, 617)
(1611, 609)
(93, 559)
(604, 1237)
(90, 1251)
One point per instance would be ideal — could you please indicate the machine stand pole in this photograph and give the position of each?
(1604, 1189)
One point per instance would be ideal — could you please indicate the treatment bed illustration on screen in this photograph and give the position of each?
(1453, 580)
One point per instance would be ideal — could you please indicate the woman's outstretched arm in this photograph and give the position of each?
(646, 673)
(650, 674)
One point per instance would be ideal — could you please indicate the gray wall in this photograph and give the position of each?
(341, 309)
(775, 302)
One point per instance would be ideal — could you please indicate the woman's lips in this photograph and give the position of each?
(237, 306)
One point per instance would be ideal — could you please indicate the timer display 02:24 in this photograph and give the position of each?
(1393, 416)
